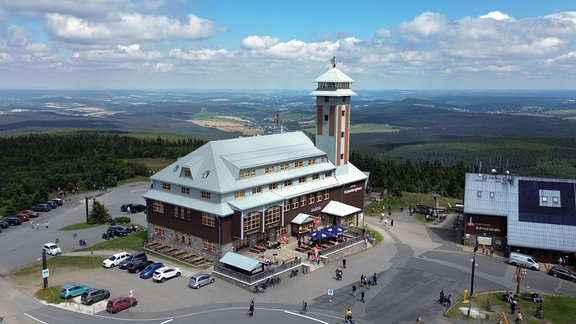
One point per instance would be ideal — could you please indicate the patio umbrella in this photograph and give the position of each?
(335, 229)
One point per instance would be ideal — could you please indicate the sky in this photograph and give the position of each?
(269, 44)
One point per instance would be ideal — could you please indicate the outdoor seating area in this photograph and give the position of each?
(177, 254)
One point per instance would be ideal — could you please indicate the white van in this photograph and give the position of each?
(523, 260)
(115, 260)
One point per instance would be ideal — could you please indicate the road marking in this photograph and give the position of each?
(167, 321)
(134, 191)
(34, 318)
(307, 317)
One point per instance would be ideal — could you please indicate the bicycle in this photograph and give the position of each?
(275, 280)
(294, 273)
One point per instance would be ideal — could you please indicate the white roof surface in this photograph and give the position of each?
(339, 209)
(334, 75)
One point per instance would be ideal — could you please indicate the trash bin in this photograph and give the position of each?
(304, 269)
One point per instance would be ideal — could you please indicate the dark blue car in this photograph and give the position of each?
(149, 271)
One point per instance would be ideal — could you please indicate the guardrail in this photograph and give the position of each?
(261, 276)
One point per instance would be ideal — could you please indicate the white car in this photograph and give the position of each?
(52, 249)
(166, 273)
(115, 259)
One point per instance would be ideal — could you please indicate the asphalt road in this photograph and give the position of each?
(414, 263)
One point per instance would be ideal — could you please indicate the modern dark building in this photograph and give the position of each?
(535, 216)
(231, 194)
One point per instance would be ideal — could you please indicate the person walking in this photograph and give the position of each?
(344, 263)
(419, 319)
(375, 279)
(449, 301)
(38, 225)
(251, 309)
(362, 294)
(32, 224)
(46, 224)
(354, 290)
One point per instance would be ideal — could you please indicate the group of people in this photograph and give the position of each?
(445, 300)
(486, 250)
(562, 262)
(367, 282)
(314, 255)
(512, 300)
(37, 225)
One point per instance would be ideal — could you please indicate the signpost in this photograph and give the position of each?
(330, 293)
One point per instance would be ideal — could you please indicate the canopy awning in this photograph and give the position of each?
(339, 209)
(241, 262)
(302, 219)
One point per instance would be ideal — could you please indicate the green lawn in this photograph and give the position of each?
(557, 309)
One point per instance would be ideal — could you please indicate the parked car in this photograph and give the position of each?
(52, 204)
(115, 259)
(52, 249)
(138, 265)
(23, 217)
(137, 208)
(13, 221)
(124, 208)
(200, 279)
(41, 208)
(94, 295)
(562, 273)
(4, 224)
(117, 231)
(132, 257)
(30, 213)
(73, 290)
(58, 201)
(166, 273)
(119, 303)
(148, 272)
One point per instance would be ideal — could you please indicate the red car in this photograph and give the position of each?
(30, 213)
(119, 303)
(23, 217)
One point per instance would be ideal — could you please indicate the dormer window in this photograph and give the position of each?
(206, 174)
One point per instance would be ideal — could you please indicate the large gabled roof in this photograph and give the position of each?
(216, 165)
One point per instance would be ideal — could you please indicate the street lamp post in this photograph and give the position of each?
(472, 275)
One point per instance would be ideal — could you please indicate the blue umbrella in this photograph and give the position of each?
(334, 229)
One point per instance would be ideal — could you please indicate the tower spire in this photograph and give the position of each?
(333, 61)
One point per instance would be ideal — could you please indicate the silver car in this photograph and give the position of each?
(200, 279)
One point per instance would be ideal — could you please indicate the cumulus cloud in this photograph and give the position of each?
(259, 42)
(496, 15)
(151, 35)
(199, 54)
(128, 27)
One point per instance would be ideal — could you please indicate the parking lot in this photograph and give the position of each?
(23, 245)
(152, 296)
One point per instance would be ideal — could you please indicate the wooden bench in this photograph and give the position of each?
(152, 245)
(261, 248)
(200, 262)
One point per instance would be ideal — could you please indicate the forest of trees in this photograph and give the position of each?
(33, 167)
